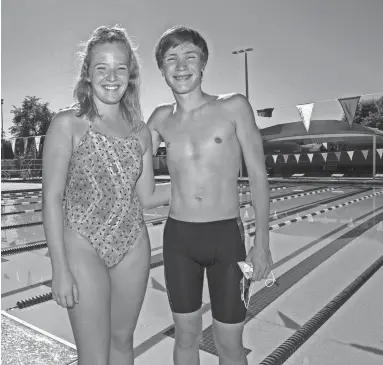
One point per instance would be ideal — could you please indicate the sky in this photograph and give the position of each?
(304, 50)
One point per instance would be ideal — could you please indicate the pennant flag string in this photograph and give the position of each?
(321, 101)
(324, 155)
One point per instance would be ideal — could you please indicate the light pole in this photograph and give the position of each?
(245, 51)
(2, 130)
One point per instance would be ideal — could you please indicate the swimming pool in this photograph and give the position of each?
(323, 236)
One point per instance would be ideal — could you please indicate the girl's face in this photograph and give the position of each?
(109, 72)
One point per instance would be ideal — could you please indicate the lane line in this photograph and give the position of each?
(319, 212)
(294, 342)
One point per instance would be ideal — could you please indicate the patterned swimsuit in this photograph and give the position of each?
(101, 202)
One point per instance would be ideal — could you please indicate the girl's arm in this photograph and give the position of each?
(56, 157)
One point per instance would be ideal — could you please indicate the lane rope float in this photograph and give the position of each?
(294, 342)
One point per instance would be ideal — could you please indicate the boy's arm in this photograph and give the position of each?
(251, 143)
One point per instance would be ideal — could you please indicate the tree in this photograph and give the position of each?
(32, 118)
(369, 113)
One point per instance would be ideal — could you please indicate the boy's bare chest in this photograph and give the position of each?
(199, 138)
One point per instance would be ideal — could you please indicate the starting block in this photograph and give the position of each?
(338, 176)
(297, 176)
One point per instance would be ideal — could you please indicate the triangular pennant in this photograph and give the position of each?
(310, 156)
(349, 106)
(380, 152)
(275, 158)
(285, 157)
(267, 113)
(297, 155)
(365, 153)
(305, 111)
(324, 145)
(13, 145)
(337, 154)
(324, 155)
(37, 140)
(350, 153)
(25, 139)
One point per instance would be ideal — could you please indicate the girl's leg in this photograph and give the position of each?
(129, 281)
(90, 318)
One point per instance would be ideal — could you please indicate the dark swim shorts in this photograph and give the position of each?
(189, 248)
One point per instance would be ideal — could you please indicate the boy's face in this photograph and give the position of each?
(182, 68)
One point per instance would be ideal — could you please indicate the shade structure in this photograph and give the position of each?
(319, 130)
(289, 137)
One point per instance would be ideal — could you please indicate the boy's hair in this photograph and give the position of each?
(130, 102)
(177, 35)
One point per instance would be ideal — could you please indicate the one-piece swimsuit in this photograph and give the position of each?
(100, 201)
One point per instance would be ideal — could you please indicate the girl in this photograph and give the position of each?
(98, 158)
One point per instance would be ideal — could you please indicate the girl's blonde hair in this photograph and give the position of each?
(130, 102)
